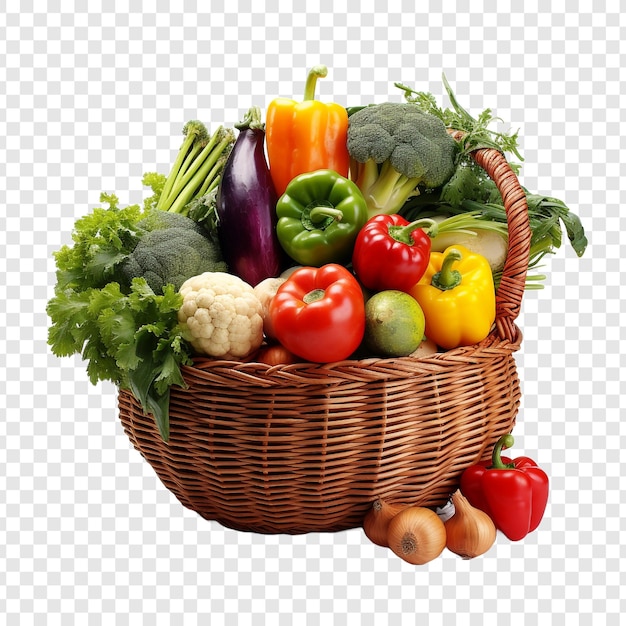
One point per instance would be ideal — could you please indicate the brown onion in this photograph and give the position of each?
(417, 535)
(470, 532)
(376, 522)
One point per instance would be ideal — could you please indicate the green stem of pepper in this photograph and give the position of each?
(506, 441)
(319, 216)
(313, 296)
(403, 233)
(320, 213)
(317, 71)
(448, 278)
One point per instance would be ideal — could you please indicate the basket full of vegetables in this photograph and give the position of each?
(316, 311)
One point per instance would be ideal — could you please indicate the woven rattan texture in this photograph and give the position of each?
(303, 449)
(306, 448)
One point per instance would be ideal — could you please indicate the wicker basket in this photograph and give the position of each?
(307, 448)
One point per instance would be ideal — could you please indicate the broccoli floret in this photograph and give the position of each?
(172, 249)
(395, 148)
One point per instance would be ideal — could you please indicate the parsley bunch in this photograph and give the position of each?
(471, 190)
(477, 131)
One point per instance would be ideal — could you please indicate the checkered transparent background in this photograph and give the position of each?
(92, 98)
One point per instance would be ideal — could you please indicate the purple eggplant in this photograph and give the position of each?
(246, 206)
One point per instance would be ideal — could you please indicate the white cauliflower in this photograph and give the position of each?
(223, 315)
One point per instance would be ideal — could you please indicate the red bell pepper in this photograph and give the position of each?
(391, 253)
(513, 492)
(319, 313)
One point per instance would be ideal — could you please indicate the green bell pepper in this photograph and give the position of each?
(319, 216)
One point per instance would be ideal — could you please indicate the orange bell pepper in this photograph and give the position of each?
(305, 136)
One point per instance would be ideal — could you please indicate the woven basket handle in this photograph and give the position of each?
(511, 288)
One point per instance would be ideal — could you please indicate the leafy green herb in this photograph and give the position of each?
(477, 131)
(547, 219)
(102, 239)
(133, 340)
(471, 190)
(558, 211)
(129, 336)
(156, 182)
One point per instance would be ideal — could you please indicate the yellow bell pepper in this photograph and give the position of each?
(457, 295)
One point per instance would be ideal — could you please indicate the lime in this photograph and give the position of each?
(394, 323)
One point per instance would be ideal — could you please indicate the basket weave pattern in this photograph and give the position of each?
(307, 447)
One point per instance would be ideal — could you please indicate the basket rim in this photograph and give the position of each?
(253, 372)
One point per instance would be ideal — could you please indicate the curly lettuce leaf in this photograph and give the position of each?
(133, 340)
(156, 182)
(128, 335)
(102, 239)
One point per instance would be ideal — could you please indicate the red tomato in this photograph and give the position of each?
(319, 313)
